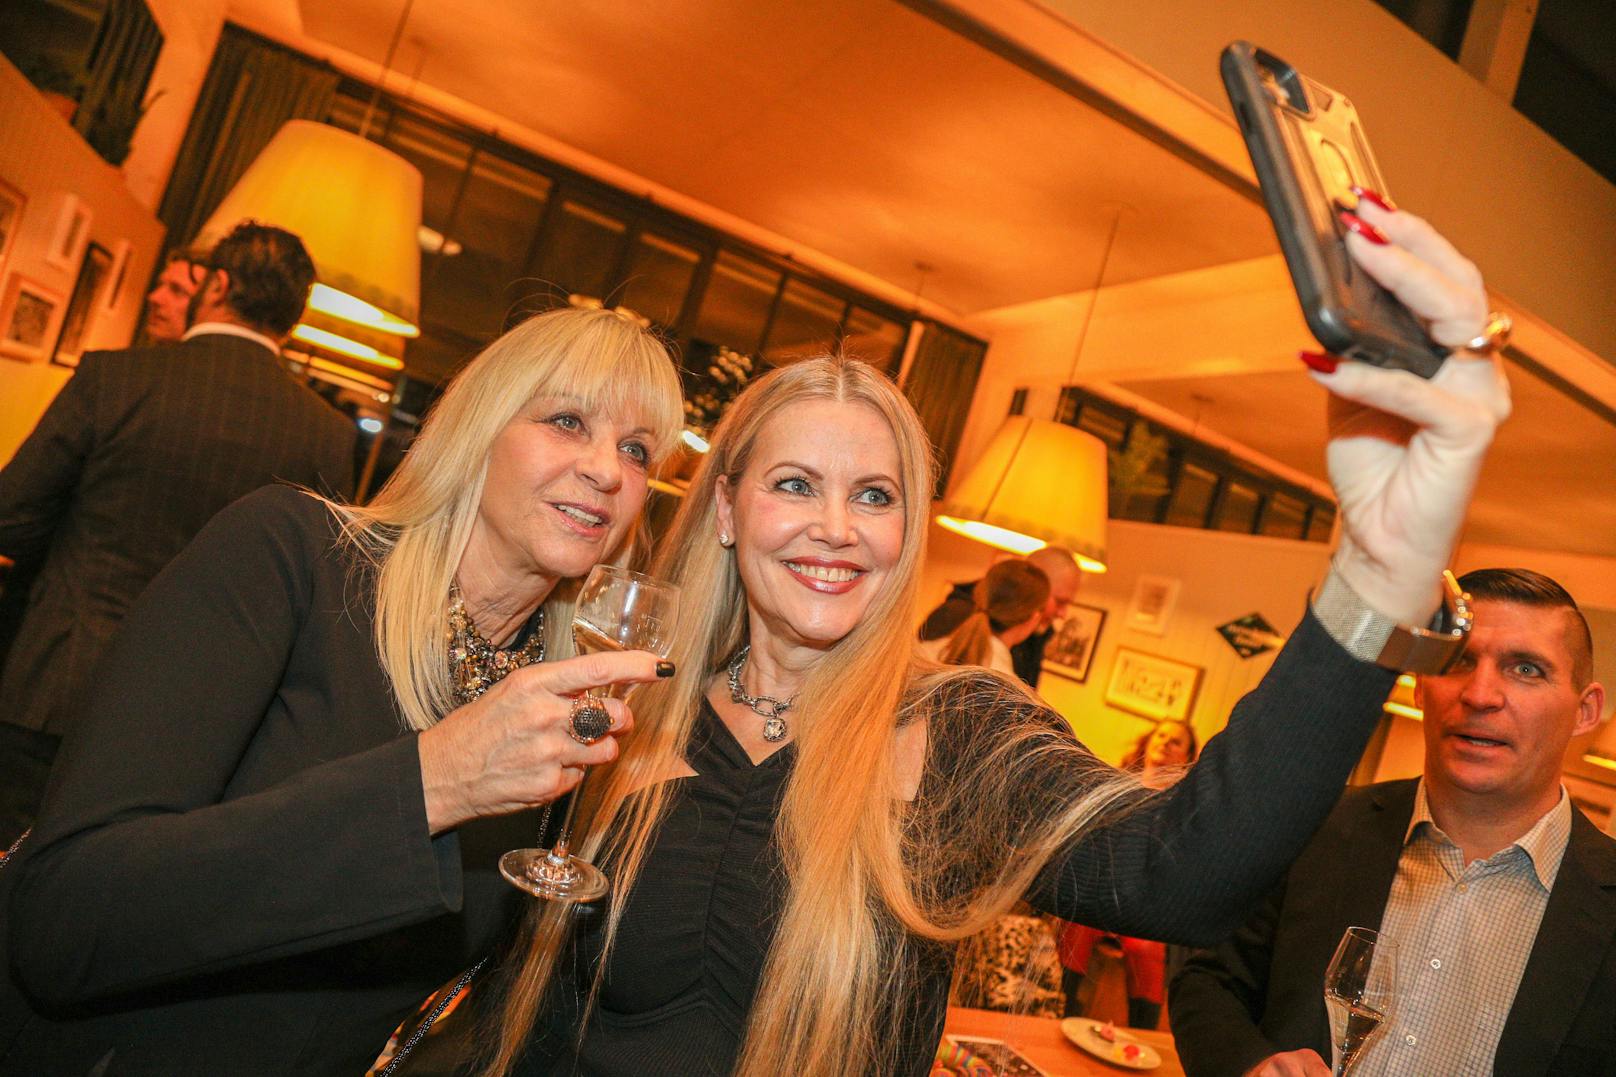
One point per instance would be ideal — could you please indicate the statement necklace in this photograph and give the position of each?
(766, 707)
(475, 665)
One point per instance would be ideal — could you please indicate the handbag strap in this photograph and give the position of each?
(11, 852)
(437, 1011)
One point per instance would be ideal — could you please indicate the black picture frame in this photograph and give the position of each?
(1070, 650)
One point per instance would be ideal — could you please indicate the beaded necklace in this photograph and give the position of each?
(475, 665)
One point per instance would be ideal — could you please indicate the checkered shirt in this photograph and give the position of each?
(1464, 934)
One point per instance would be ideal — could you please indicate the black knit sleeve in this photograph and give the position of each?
(1186, 864)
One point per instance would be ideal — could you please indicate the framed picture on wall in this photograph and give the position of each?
(1152, 686)
(120, 267)
(1154, 598)
(29, 315)
(71, 233)
(12, 202)
(1070, 651)
(83, 305)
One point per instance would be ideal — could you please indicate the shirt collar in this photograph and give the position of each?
(230, 329)
(1544, 844)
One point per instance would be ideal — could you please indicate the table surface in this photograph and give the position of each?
(1042, 1042)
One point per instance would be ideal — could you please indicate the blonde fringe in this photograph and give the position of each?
(415, 530)
(870, 876)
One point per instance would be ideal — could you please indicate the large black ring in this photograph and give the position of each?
(589, 722)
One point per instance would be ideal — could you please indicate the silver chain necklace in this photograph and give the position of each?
(768, 708)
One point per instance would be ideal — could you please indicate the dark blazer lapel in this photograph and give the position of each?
(1578, 928)
(1352, 876)
(1369, 863)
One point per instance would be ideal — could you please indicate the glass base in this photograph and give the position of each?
(555, 878)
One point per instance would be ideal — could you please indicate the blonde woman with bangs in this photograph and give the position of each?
(277, 828)
(809, 817)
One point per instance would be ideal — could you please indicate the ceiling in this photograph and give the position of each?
(857, 128)
(864, 130)
(1538, 488)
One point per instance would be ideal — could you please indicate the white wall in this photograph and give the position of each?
(1223, 577)
(42, 156)
(1535, 218)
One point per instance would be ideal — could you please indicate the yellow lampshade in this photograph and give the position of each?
(1602, 752)
(357, 208)
(1402, 701)
(1039, 483)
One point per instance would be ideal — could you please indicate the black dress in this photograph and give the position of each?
(1184, 865)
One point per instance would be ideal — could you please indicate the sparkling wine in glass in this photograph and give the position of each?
(1358, 993)
(618, 610)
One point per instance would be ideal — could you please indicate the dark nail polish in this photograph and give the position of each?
(1357, 224)
(665, 669)
(1376, 197)
(1323, 362)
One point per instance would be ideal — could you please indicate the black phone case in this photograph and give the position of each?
(1308, 150)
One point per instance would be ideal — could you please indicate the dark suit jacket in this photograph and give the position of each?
(1027, 656)
(139, 449)
(1262, 990)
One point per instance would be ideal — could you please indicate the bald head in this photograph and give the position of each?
(1059, 564)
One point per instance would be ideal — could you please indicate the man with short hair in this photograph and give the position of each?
(168, 304)
(1056, 562)
(1500, 894)
(138, 450)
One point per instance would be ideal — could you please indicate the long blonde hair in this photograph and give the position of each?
(415, 529)
(884, 873)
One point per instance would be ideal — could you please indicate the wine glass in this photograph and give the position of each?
(618, 610)
(1358, 992)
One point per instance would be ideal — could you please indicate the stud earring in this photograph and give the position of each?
(723, 538)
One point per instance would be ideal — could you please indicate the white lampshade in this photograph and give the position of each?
(1039, 483)
(357, 208)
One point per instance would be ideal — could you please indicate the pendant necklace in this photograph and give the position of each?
(768, 708)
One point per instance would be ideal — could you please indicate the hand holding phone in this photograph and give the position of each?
(1312, 160)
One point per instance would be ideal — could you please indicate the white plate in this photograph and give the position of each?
(1086, 1034)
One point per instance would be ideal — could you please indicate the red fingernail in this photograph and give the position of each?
(1357, 224)
(1376, 197)
(1323, 362)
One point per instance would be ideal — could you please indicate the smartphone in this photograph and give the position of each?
(1309, 151)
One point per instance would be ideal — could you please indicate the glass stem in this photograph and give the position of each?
(560, 850)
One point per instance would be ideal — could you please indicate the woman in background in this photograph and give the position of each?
(1159, 758)
(1007, 603)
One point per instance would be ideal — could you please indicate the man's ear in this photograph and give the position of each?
(1589, 709)
(217, 286)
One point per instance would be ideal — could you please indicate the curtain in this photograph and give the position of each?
(120, 69)
(941, 383)
(252, 88)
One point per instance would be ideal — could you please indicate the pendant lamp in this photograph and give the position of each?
(357, 208)
(1602, 752)
(1040, 483)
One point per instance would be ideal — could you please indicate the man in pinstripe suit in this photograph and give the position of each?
(135, 454)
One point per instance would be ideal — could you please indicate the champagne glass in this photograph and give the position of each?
(1358, 992)
(618, 610)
